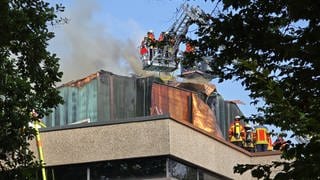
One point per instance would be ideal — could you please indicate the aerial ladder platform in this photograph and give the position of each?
(163, 55)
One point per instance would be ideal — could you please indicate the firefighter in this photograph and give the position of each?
(189, 48)
(161, 43)
(161, 37)
(261, 138)
(236, 132)
(151, 38)
(151, 41)
(144, 51)
(248, 141)
(143, 48)
(189, 58)
(270, 145)
(279, 143)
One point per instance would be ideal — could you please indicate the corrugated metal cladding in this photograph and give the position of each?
(225, 111)
(184, 106)
(102, 96)
(172, 101)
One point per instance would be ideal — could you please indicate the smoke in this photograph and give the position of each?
(91, 47)
(87, 44)
(199, 80)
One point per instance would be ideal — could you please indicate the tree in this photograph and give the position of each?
(28, 73)
(272, 48)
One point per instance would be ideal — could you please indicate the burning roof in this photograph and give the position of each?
(104, 96)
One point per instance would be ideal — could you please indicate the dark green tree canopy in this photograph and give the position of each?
(272, 48)
(28, 73)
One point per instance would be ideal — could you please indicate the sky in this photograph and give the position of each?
(105, 34)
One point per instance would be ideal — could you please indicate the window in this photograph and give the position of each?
(57, 116)
(181, 171)
(129, 169)
(138, 168)
(78, 172)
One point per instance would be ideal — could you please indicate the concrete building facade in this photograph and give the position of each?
(85, 145)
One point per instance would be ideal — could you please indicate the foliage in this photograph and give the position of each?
(272, 48)
(28, 73)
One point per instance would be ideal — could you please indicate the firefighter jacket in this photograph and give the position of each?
(189, 48)
(279, 143)
(236, 132)
(248, 142)
(151, 39)
(270, 146)
(143, 50)
(261, 135)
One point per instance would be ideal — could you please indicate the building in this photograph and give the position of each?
(140, 128)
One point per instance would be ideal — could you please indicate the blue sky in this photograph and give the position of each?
(105, 34)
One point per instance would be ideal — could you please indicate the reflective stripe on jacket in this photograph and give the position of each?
(236, 132)
(261, 135)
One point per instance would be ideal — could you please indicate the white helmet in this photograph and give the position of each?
(150, 31)
(247, 125)
(237, 117)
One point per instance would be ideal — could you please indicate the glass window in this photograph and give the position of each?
(138, 168)
(181, 171)
(129, 169)
(78, 172)
(74, 113)
(57, 116)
